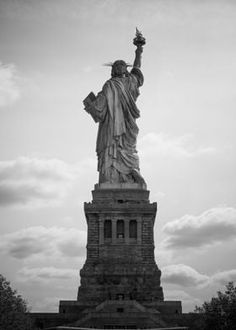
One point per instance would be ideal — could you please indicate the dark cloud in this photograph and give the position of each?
(30, 181)
(23, 193)
(186, 276)
(224, 277)
(212, 226)
(72, 248)
(43, 274)
(24, 247)
(183, 275)
(44, 242)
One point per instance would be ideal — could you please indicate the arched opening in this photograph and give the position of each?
(107, 229)
(133, 229)
(120, 229)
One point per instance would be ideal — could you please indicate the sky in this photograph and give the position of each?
(51, 56)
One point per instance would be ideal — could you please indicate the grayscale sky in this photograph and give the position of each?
(51, 56)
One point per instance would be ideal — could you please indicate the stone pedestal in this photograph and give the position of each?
(120, 268)
(120, 261)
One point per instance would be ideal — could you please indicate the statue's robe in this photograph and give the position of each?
(115, 110)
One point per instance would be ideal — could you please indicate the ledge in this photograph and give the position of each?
(124, 185)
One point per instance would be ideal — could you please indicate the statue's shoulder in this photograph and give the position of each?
(137, 73)
(109, 85)
(106, 85)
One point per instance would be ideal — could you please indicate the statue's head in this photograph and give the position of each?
(119, 69)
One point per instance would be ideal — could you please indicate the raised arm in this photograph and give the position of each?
(139, 41)
(138, 57)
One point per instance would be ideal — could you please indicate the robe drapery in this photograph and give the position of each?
(116, 111)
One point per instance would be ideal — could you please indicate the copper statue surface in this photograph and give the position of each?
(114, 108)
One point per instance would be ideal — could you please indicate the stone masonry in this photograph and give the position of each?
(120, 280)
(120, 262)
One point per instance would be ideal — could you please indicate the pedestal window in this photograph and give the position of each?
(120, 229)
(133, 229)
(107, 229)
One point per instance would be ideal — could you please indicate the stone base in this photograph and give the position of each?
(163, 307)
(120, 186)
(120, 193)
(120, 280)
(122, 263)
(126, 314)
(128, 327)
(65, 321)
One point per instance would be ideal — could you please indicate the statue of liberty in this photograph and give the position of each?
(115, 110)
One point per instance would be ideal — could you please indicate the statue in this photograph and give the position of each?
(115, 110)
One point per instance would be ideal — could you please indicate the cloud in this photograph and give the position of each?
(9, 89)
(183, 275)
(45, 274)
(44, 242)
(31, 181)
(186, 276)
(212, 226)
(184, 283)
(224, 277)
(165, 145)
(201, 286)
